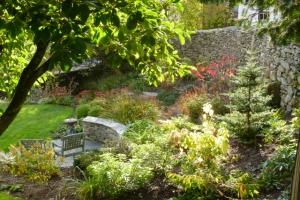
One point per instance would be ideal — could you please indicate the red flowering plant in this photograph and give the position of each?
(215, 75)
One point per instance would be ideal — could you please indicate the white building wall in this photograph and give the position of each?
(252, 14)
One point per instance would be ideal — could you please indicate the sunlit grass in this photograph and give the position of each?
(34, 122)
(5, 196)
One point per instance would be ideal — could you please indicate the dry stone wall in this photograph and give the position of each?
(281, 62)
(102, 130)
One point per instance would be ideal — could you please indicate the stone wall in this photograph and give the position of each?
(102, 130)
(281, 62)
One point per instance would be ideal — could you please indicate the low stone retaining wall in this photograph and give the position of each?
(102, 130)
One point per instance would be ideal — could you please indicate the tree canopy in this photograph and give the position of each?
(136, 32)
(36, 36)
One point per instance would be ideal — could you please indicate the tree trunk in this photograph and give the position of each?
(295, 195)
(29, 75)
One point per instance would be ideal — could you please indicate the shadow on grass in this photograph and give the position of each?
(34, 122)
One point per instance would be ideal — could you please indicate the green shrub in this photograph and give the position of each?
(114, 175)
(279, 130)
(276, 172)
(60, 100)
(168, 97)
(115, 81)
(178, 123)
(195, 105)
(84, 160)
(219, 106)
(37, 164)
(62, 130)
(127, 109)
(152, 156)
(200, 166)
(142, 131)
(95, 111)
(82, 111)
(108, 83)
(138, 84)
(120, 146)
(123, 108)
(65, 100)
(244, 185)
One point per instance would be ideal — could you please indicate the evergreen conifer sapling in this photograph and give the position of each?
(249, 102)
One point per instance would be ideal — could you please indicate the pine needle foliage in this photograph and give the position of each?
(250, 113)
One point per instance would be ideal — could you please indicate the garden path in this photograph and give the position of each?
(68, 161)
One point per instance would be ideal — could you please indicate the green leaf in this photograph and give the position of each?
(121, 35)
(139, 16)
(73, 11)
(66, 28)
(148, 40)
(2, 23)
(67, 7)
(115, 20)
(181, 38)
(84, 12)
(97, 20)
(131, 22)
(66, 67)
(115, 60)
(79, 46)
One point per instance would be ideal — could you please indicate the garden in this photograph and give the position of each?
(218, 128)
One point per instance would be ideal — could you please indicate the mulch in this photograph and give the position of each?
(64, 188)
(56, 188)
(248, 158)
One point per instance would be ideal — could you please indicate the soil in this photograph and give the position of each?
(56, 188)
(249, 158)
(63, 188)
(158, 189)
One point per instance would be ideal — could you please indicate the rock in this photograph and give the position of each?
(150, 94)
(290, 91)
(284, 64)
(287, 99)
(273, 75)
(278, 75)
(291, 76)
(280, 68)
(288, 108)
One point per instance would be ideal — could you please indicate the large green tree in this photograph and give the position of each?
(37, 35)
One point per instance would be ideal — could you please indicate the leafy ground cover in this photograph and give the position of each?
(5, 196)
(34, 121)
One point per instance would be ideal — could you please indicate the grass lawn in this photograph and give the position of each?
(5, 196)
(34, 122)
